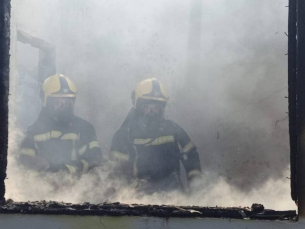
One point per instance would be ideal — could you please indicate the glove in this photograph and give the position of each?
(73, 167)
(40, 164)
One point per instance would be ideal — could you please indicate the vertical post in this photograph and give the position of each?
(194, 43)
(194, 36)
(301, 106)
(292, 83)
(5, 13)
(192, 66)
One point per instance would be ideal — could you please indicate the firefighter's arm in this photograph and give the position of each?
(90, 155)
(120, 154)
(191, 163)
(29, 156)
(188, 154)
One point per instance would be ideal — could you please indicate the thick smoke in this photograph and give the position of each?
(232, 103)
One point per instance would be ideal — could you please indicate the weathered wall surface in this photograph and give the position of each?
(4, 82)
(78, 222)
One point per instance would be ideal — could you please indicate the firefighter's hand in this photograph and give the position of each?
(40, 164)
(195, 179)
(73, 167)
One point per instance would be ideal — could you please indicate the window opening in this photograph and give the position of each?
(221, 128)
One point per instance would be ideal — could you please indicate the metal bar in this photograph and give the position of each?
(5, 13)
(301, 106)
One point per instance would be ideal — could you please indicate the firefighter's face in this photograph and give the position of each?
(61, 108)
(152, 110)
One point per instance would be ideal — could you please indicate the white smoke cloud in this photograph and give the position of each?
(231, 114)
(96, 188)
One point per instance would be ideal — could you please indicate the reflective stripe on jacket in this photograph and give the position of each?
(71, 147)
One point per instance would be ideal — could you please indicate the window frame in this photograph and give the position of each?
(296, 82)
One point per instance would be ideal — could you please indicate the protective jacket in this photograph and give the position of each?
(72, 147)
(154, 155)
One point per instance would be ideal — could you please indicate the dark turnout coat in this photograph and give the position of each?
(72, 147)
(154, 155)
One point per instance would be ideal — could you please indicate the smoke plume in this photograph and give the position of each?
(231, 102)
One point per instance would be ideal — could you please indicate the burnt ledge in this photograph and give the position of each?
(164, 211)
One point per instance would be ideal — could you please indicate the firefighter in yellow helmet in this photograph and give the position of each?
(148, 148)
(58, 140)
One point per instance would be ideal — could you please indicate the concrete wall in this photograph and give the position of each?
(13, 221)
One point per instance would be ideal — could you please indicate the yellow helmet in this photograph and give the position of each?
(57, 85)
(149, 89)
